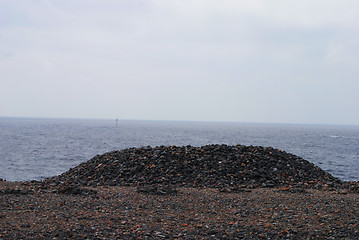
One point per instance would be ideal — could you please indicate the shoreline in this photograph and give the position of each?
(118, 212)
(185, 192)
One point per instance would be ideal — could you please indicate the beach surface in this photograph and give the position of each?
(118, 212)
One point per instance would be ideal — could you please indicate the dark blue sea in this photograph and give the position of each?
(33, 149)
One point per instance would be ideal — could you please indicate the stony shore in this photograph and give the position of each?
(208, 192)
(192, 213)
(227, 168)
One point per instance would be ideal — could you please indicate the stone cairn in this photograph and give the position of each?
(162, 169)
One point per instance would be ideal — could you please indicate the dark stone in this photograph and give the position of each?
(14, 191)
(157, 189)
(216, 166)
(76, 190)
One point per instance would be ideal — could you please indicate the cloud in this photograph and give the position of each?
(5, 54)
(338, 53)
(140, 55)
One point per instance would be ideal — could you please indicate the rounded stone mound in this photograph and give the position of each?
(217, 166)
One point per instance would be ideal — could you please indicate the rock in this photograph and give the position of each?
(157, 169)
(14, 191)
(157, 189)
(76, 190)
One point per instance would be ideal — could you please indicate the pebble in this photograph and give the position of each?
(227, 168)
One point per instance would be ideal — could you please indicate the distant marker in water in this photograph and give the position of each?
(116, 122)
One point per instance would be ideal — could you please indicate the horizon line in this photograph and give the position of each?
(173, 120)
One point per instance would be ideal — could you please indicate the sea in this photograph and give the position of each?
(34, 149)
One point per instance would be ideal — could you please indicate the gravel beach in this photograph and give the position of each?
(191, 213)
(208, 192)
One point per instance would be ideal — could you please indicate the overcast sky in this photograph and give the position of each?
(203, 60)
